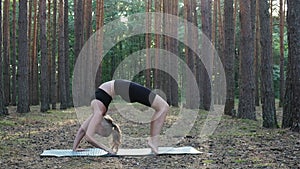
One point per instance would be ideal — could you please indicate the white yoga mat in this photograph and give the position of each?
(121, 152)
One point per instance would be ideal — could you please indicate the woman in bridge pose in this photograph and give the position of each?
(102, 124)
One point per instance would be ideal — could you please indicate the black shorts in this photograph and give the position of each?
(104, 97)
(133, 92)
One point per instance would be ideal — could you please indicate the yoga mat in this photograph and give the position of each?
(121, 152)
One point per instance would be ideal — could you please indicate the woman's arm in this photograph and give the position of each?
(95, 120)
(81, 133)
(91, 130)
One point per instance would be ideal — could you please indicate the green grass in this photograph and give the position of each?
(208, 161)
(7, 123)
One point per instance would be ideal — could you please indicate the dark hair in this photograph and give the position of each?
(116, 133)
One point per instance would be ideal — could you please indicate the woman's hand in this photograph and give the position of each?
(110, 151)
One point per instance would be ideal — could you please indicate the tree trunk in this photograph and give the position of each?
(44, 57)
(6, 52)
(87, 19)
(257, 50)
(34, 61)
(23, 83)
(67, 47)
(99, 25)
(49, 47)
(268, 98)
(61, 58)
(78, 27)
(174, 50)
(30, 38)
(3, 109)
(220, 48)
(189, 55)
(196, 46)
(206, 28)
(158, 30)
(53, 58)
(246, 107)
(13, 58)
(291, 111)
(281, 34)
(148, 42)
(229, 57)
(166, 43)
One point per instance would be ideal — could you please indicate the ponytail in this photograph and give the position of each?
(116, 133)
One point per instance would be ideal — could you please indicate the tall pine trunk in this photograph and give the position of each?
(61, 58)
(67, 47)
(174, 50)
(246, 107)
(13, 58)
(6, 52)
(99, 25)
(23, 83)
(34, 61)
(189, 55)
(281, 34)
(49, 47)
(53, 81)
(87, 19)
(78, 27)
(268, 98)
(158, 31)
(229, 57)
(257, 53)
(148, 25)
(206, 28)
(165, 84)
(44, 58)
(291, 111)
(3, 109)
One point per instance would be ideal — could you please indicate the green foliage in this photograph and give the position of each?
(7, 123)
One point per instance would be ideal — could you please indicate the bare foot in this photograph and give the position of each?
(153, 143)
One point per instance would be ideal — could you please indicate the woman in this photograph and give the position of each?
(97, 123)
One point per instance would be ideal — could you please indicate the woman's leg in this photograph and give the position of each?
(161, 108)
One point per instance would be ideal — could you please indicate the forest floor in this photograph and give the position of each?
(236, 143)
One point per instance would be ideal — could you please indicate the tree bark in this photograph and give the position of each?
(189, 55)
(148, 25)
(78, 27)
(53, 87)
(291, 111)
(246, 107)
(49, 47)
(23, 83)
(281, 34)
(67, 47)
(174, 50)
(206, 28)
(158, 31)
(61, 58)
(3, 109)
(87, 19)
(257, 50)
(229, 57)
(34, 61)
(99, 25)
(268, 98)
(6, 52)
(13, 58)
(44, 57)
